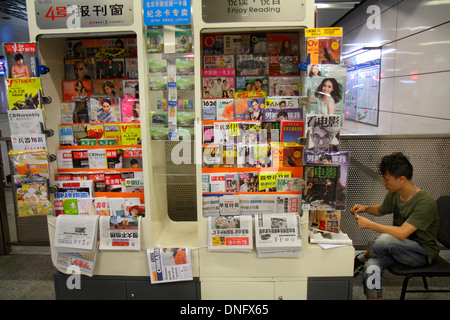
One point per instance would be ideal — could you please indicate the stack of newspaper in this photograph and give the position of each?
(169, 264)
(76, 242)
(278, 235)
(230, 233)
(328, 240)
(120, 233)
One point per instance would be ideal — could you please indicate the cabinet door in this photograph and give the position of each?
(144, 290)
(330, 288)
(90, 289)
(238, 290)
(296, 290)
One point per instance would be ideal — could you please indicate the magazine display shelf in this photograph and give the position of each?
(158, 230)
(242, 275)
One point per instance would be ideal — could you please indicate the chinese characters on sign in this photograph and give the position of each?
(253, 10)
(167, 12)
(53, 14)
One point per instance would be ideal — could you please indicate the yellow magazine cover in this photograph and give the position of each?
(24, 93)
(112, 131)
(131, 134)
(268, 180)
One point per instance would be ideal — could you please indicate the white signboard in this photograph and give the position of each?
(58, 14)
(253, 10)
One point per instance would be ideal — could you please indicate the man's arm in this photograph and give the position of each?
(401, 233)
(373, 210)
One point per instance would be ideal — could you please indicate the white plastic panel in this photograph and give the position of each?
(418, 15)
(423, 95)
(424, 52)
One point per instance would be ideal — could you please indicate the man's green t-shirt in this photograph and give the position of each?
(421, 212)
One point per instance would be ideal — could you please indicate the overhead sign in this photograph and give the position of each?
(253, 10)
(171, 12)
(57, 14)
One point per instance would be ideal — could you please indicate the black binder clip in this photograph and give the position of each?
(52, 158)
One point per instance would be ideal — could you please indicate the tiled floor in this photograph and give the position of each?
(27, 274)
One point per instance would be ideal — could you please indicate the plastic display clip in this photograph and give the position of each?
(43, 69)
(303, 66)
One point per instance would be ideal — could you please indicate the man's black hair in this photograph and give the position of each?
(397, 165)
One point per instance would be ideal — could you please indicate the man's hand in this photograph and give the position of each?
(358, 208)
(363, 222)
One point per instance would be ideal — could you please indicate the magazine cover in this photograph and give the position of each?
(212, 44)
(79, 69)
(323, 132)
(252, 64)
(327, 93)
(131, 110)
(277, 115)
(29, 142)
(169, 264)
(132, 158)
(292, 130)
(108, 87)
(324, 51)
(290, 184)
(130, 87)
(283, 43)
(24, 93)
(110, 68)
(248, 182)
(232, 43)
(105, 109)
(225, 109)
(259, 43)
(26, 121)
(32, 195)
(284, 65)
(131, 134)
(75, 112)
(333, 157)
(276, 81)
(218, 61)
(21, 59)
(268, 180)
(321, 186)
(218, 87)
(253, 85)
(74, 90)
(249, 109)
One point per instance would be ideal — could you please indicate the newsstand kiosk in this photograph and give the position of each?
(239, 28)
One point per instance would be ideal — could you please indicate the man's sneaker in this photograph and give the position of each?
(358, 266)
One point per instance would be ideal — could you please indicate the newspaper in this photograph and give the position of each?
(278, 234)
(329, 238)
(230, 233)
(120, 233)
(169, 264)
(76, 233)
(85, 261)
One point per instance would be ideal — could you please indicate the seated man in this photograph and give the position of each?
(411, 239)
